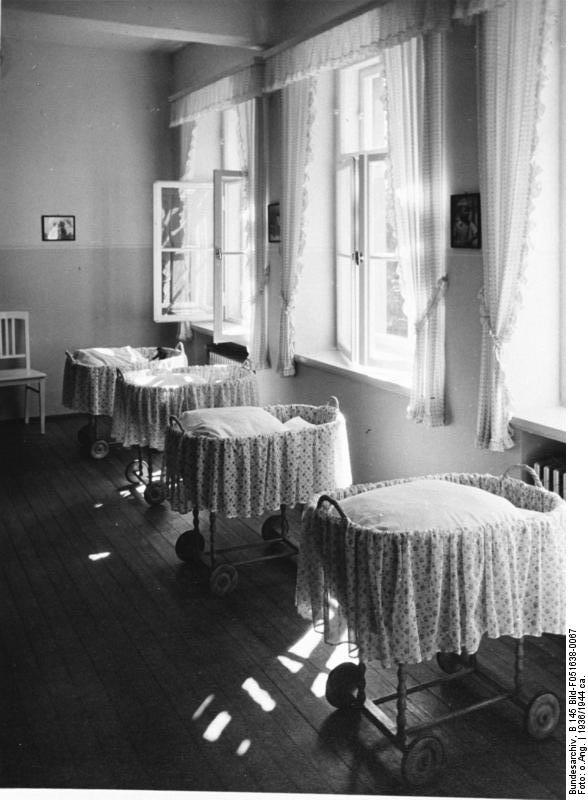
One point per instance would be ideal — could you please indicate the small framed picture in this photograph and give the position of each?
(274, 233)
(466, 230)
(58, 227)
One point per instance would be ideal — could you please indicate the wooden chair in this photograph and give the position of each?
(15, 347)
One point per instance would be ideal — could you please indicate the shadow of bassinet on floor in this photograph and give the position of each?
(89, 381)
(146, 399)
(288, 453)
(487, 559)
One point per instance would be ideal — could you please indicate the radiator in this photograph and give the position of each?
(226, 353)
(552, 474)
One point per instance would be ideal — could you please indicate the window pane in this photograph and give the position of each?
(348, 111)
(345, 208)
(379, 232)
(387, 319)
(233, 222)
(186, 284)
(345, 304)
(186, 216)
(372, 110)
(234, 287)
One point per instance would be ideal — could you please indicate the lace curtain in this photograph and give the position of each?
(225, 92)
(251, 148)
(362, 37)
(297, 111)
(510, 47)
(242, 90)
(414, 77)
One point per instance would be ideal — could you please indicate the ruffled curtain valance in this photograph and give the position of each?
(469, 8)
(356, 39)
(223, 93)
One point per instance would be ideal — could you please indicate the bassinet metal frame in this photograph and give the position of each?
(191, 545)
(423, 754)
(140, 470)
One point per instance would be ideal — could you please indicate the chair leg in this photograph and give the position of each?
(42, 404)
(26, 408)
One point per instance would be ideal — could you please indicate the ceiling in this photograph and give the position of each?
(167, 25)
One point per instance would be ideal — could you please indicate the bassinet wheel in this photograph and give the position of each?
(272, 528)
(154, 494)
(342, 685)
(451, 663)
(137, 471)
(542, 715)
(189, 546)
(223, 579)
(99, 449)
(422, 761)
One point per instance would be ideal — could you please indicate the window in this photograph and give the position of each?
(535, 357)
(372, 327)
(202, 240)
(232, 288)
(182, 251)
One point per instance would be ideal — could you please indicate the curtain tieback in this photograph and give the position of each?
(497, 341)
(439, 292)
(287, 305)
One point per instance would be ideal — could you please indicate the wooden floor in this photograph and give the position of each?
(121, 670)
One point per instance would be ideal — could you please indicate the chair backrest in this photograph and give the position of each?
(14, 336)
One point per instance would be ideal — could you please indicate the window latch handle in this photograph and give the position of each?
(218, 253)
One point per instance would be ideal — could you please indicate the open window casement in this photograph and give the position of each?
(202, 254)
(232, 257)
(183, 251)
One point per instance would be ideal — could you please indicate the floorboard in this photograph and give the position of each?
(120, 669)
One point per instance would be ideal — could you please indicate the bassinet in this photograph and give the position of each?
(89, 380)
(246, 476)
(404, 596)
(146, 399)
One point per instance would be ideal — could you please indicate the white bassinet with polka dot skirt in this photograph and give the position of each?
(89, 381)
(408, 570)
(243, 462)
(146, 399)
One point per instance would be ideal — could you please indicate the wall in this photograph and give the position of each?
(384, 444)
(82, 132)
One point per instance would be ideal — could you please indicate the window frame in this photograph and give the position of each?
(363, 351)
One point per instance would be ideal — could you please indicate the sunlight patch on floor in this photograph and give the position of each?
(217, 726)
(319, 685)
(339, 655)
(98, 556)
(259, 695)
(203, 706)
(243, 747)
(291, 665)
(307, 643)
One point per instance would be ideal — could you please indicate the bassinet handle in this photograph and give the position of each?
(333, 401)
(180, 346)
(173, 420)
(120, 374)
(526, 468)
(69, 355)
(248, 364)
(327, 498)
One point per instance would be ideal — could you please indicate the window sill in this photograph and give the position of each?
(231, 331)
(547, 422)
(332, 361)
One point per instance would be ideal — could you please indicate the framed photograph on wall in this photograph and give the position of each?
(58, 227)
(274, 233)
(466, 230)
